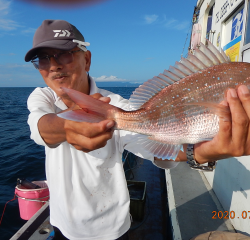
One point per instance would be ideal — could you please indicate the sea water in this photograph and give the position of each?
(21, 157)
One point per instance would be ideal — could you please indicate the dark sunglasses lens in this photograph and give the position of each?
(43, 63)
(35, 63)
(64, 58)
(61, 58)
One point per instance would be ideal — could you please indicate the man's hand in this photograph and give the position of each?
(233, 139)
(89, 136)
(83, 136)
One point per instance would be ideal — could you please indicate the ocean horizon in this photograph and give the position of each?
(99, 84)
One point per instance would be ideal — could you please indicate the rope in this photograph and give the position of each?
(191, 24)
(186, 39)
(5, 207)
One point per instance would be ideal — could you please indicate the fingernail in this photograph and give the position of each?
(110, 125)
(233, 93)
(225, 103)
(243, 89)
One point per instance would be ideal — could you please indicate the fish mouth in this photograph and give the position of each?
(59, 76)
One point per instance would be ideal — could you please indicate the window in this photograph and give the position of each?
(247, 32)
(209, 23)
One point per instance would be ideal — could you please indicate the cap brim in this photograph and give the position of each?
(57, 44)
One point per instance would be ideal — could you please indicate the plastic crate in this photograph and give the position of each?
(137, 193)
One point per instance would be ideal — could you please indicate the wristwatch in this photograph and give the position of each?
(210, 166)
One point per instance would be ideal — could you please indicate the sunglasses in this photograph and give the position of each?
(43, 62)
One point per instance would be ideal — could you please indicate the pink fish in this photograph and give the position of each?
(180, 105)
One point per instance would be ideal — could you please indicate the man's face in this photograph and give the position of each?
(71, 75)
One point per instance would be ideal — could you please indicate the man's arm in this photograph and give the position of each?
(47, 128)
(83, 136)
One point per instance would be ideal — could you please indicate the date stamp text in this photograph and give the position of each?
(230, 215)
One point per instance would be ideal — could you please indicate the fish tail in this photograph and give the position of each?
(91, 109)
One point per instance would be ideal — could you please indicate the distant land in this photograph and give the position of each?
(117, 84)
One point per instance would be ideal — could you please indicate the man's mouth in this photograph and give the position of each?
(59, 76)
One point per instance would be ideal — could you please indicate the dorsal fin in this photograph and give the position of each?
(216, 52)
(209, 54)
(203, 56)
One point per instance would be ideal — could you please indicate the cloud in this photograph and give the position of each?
(176, 24)
(29, 30)
(172, 23)
(6, 23)
(7, 54)
(4, 6)
(14, 65)
(111, 78)
(150, 18)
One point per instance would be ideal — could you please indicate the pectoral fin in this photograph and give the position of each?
(161, 150)
(80, 115)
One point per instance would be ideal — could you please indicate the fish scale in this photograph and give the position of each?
(199, 91)
(180, 105)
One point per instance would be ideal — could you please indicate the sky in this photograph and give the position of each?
(130, 40)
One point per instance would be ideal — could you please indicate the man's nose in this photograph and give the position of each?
(54, 64)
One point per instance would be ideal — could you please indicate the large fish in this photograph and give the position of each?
(177, 107)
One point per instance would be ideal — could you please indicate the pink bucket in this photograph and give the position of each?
(31, 200)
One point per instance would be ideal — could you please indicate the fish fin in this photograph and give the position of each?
(209, 54)
(177, 72)
(90, 104)
(183, 68)
(216, 52)
(159, 149)
(146, 91)
(220, 110)
(189, 65)
(196, 61)
(80, 115)
(227, 59)
(203, 56)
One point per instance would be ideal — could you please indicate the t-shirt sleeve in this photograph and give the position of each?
(40, 103)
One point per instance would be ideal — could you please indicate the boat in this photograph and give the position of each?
(149, 213)
(226, 24)
(182, 203)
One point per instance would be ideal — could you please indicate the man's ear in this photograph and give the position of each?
(88, 60)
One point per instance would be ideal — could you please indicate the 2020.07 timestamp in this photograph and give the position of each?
(230, 215)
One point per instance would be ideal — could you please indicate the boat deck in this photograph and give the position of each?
(156, 224)
(179, 205)
(191, 204)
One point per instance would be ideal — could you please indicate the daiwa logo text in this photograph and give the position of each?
(63, 33)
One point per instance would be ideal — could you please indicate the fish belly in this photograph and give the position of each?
(192, 128)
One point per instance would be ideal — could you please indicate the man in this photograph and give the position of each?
(88, 191)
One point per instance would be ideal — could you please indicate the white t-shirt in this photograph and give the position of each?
(88, 191)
